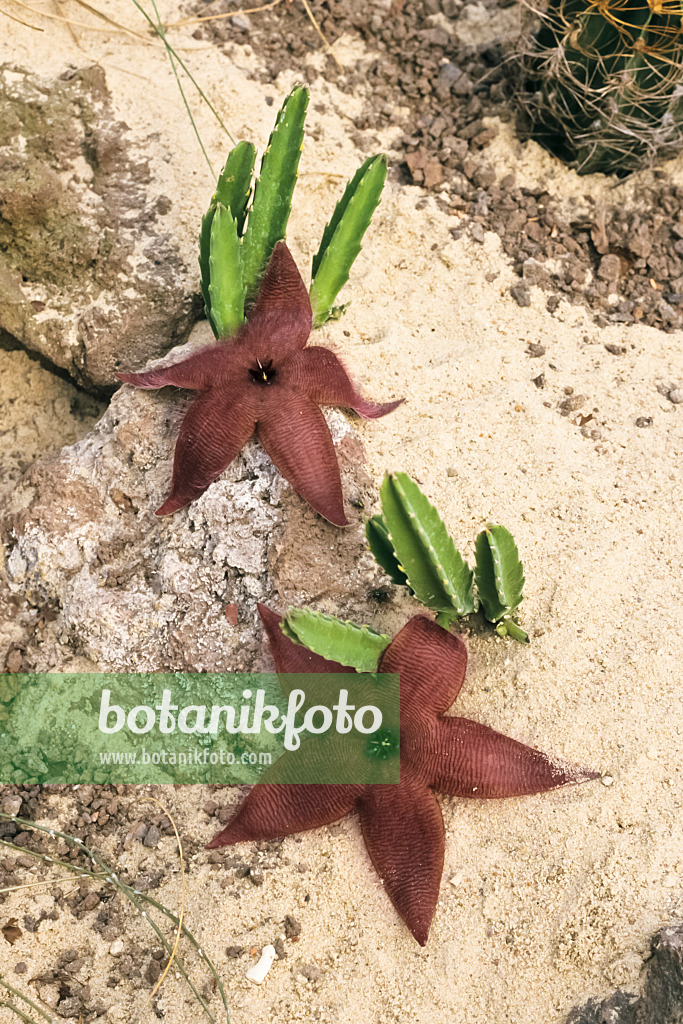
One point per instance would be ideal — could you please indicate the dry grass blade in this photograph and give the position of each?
(82, 24)
(139, 900)
(37, 885)
(12, 17)
(219, 17)
(318, 29)
(109, 21)
(17, 1012)
(179, 929)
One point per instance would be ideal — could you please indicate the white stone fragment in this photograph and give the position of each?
(258, 972)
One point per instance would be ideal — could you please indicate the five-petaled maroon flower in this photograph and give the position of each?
(263, 379)
(402, 824)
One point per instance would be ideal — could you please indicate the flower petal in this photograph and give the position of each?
(288, 656)
(280, 320)
(293, 431)
(214, 431)
(273, 811)
(319, 373)
(196, 373)
(431, 662)
(470, 760)
(404, 835)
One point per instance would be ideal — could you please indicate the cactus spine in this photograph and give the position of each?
(601, 82)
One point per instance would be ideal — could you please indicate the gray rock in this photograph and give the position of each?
(152, 838)
(535, 273)
(610, 268)
(70, 1007)
(129, 591)
(661, 1001)
(521, 294)
(448, 74)
(89, 275)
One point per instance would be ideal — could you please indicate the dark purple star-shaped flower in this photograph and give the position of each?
(402, 824)
(263, 379)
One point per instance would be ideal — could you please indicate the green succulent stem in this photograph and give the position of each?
(358, 647)
(508, 627)
(244, 221)
(226, 287)
(342, 238)
(272, 202)
(424, 551)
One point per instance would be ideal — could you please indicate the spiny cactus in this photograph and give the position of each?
(237, 237)
(601, 82)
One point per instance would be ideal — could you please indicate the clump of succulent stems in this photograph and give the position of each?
(102, 873)
(411, 543)
(246, 218)
(601, 81)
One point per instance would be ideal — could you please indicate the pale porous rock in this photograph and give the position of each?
(114, 587)
(90, 276)
(39, 412)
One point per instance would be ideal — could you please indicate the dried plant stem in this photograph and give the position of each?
(179, 929)
(172, 53)
(80, 24)
(318, 29)
(12, 17)
(138, 899)
(224, 14)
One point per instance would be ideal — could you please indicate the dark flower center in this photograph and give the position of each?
(263, 373)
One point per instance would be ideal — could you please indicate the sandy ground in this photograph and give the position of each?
(545, 900)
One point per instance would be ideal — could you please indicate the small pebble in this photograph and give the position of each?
(644, 421)
(521, 294)
(234, 952)
(153, 972)
(607, 780)
(152, 837)
(116, 948)
(534, 350)
(11, 805)
(256, 876)
(676, 396)
(572, 403)
(292, 926)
